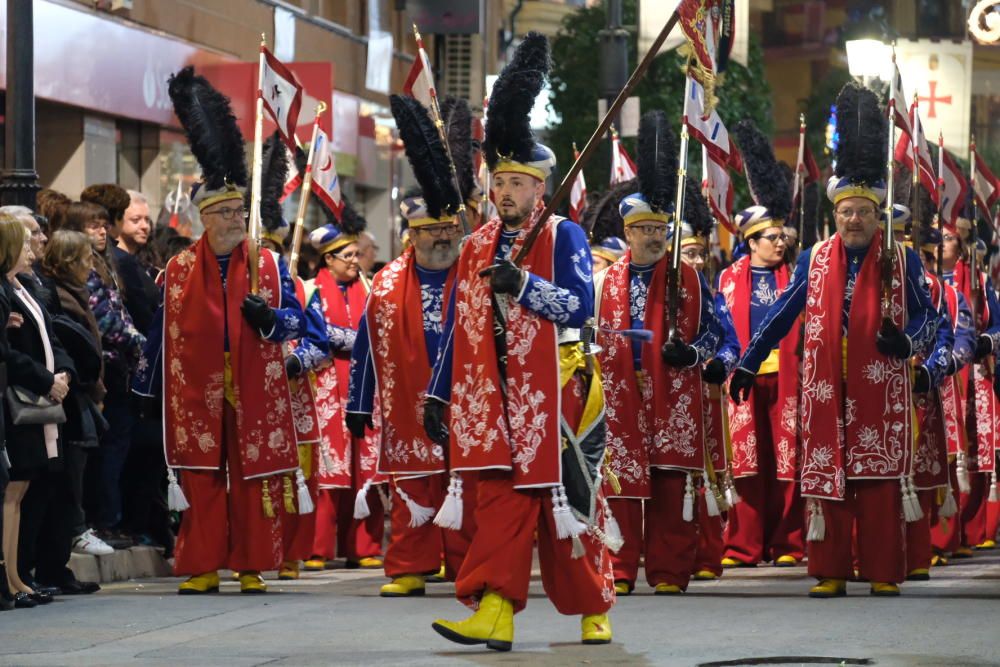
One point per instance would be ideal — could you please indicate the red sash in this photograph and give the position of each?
(196, 313)
(303, 401)
(660, 424)
(859, 428)
(396, 333)
(519, 430)
(734, 284)
(715, 427)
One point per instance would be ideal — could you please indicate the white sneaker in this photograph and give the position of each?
(90, 544)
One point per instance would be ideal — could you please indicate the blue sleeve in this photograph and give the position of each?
(706, 341)
(729, 345)
(361, 395)
(993, 330)
(964, 349)
(148, 378)
(291, 321)
(939, 360)
(440, 385)
(780, 318)
(568, 302)
(922, 316)
(314, 347)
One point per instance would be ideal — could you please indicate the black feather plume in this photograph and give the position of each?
(811, 217)
(457, 118)
(351, 222)
(696, 211)
(657, 161)
(274, 171)
(508, 126)
(768, 184)
(862, 149)
(602, 219)
(902, 185)
(427, 155)
(211, 129)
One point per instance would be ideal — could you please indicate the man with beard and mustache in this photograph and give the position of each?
(513, 374)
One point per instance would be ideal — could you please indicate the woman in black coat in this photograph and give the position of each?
(36, 362)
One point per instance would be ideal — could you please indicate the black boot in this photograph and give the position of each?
(6, 599)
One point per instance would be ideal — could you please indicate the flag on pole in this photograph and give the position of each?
(985, 186)
(901, 119)
(622, 166)
(325, 182)
(904, 153)
(419, 82)
(808, 168)
(954, 188)
(710, 131)
(294, 178)
(718, 189)
(578, 193)
(282, 95)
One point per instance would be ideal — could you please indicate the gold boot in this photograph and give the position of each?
(200, 584)
(289, 570)
(667, 589)
(884, 590)
(316, 564)
(492, 624)
(623, 588)
(829, 588)
(407, 586)
(595, 629)
(252, 583)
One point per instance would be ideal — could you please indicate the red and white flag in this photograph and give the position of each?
(622, 166)
(282, 95)
(419, 82)
(718, 189)
(984, 186)
(954, 187)
(294, 178)
(578, 193)
(901, 118)
(807, 167)
(709, 129)
(905, 150)
(325, 182)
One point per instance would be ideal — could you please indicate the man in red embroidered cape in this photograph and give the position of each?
(523, 411)
(855, 397)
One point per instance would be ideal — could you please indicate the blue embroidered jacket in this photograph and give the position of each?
(991, 328)
(729, 342)
(323, 339)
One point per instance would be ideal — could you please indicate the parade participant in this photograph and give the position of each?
(228, 426)
(606, 252)
(349, 510)
(768, 525)
(457, 119)
(397, 344)
(526, 405)
(654, 392)
(855, 394)
(978, 464)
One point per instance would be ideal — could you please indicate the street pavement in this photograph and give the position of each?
(336, 618)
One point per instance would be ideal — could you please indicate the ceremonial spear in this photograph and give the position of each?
(888, 241)
(915, 181)
(258, 159)
(940, 189)
(800, 181)
(300, 218)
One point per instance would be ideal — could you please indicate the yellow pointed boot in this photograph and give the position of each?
(829, 588)
(667, 589)
(786, 561)
(705, 575)
(289, 570)
(407, 586)
(200, 584)
(884, 590)
(252, 583)
(492, 624)
(623, 588)
(316, 564)
(595, 629)
(438, 577)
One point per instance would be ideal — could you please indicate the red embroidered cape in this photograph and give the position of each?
(517, 429)
(395, 318)
(660, 424)
(735, 287)
(196, 314)
(858, 427)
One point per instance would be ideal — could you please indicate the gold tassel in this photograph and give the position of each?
(265, 496)
(288, 494)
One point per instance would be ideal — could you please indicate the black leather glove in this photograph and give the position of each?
(293, 366)
(984, 346)
(434, 421)
(714, 372)
(893, 344)
(921, 380)
(506, 278)
(679, 354)
(740, 385)
(260, 315)
(356, 423)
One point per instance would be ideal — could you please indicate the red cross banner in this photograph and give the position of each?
(282, 95)
(940, 73)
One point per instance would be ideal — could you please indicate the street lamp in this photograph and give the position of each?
(869, 59)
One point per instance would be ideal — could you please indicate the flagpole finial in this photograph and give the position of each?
(416, 32)
(802, 120)
(263, 39)
(320, 108)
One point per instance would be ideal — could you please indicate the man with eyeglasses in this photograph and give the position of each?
(855, 399)
(656, 430)
(349, 512)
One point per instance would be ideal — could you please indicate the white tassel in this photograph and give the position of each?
(911, 503)
(613, 538)
(579, 551)
(361, 509)
(567, 525)
(907, 504)
(419, 515)
(176, 501)
(949, 507)
(817, 524)
(450, 514)
(688, 512)
(962, 473)
(732, 495)
(993, 488)
(711, 502)
(305, 500)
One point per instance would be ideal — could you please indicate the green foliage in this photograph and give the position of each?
(576, 51)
